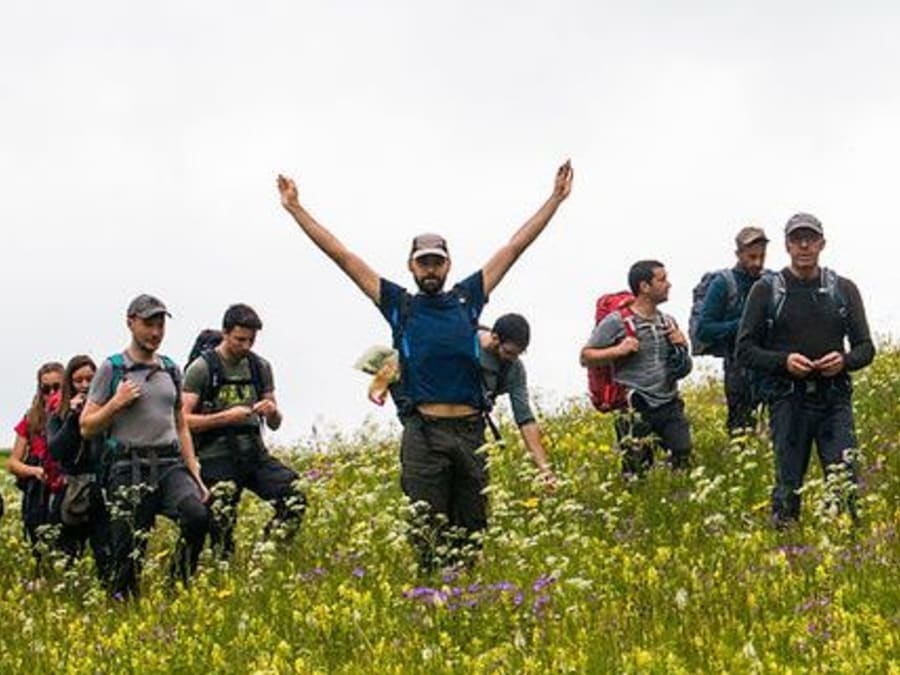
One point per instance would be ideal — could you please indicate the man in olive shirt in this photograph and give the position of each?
(229, 393)
(504, 373)
(793, 333)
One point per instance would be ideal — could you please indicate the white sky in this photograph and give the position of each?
(139, 146)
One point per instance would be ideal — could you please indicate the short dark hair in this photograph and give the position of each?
(642, 270)
(241, 315)
(513, 328)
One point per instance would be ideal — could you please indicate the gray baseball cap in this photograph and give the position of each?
(800, 221)
(429, 244)
(750, 235)
(144, 306)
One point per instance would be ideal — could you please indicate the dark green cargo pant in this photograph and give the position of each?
(443, 474)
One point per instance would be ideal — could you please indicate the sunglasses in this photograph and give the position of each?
(47, 389)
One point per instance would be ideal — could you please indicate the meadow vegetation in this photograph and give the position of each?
(673, 573)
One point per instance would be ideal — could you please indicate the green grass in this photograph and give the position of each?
(675, 573)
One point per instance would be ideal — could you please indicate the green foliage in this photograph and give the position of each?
(672, 573)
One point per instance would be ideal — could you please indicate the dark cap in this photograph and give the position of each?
(801, 221)
(144, 306)
(429, 244)
(750, 235)
(513, 328)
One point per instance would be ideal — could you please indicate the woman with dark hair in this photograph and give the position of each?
(79, 509)
(37, 474)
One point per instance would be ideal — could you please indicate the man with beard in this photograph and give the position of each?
(436, 334)
(721, 314)
(149, 465)
(650, 355)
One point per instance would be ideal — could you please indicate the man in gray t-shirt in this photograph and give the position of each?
(648, 360)
(135, 400)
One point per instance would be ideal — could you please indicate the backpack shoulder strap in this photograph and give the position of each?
(830, 281)
(462, 295)
(117, 361)
(778, 295)
(214, 376)
(171, 368)
(627, 316)
(731, 283)
(256, 369)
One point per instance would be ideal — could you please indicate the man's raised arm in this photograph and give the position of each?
(355, 267)
(502, 260)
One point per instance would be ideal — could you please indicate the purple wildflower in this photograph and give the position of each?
(543, 581)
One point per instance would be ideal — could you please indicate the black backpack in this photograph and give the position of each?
(209, 338)
(828, 285)
(216, 378)
(698, 347)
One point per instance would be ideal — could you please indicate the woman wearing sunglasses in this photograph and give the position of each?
(37, 474)
(79, 509)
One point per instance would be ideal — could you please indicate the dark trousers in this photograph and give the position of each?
(796, 422)
(35, 513)
(168, 489)
(96, 531)
(739, 395)
(641, 428)
(444, 477)
(268, 479)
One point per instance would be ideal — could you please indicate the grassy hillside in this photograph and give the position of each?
(674, 573)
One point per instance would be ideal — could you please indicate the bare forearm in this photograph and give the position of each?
(531, 435)
(354, 266)
(525, 235)
(592, 357)
(187, 449)
(497, 267)
(200, 423)
(96, 419)
(15, 465)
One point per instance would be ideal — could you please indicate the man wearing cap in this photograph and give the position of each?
(435, 332)
(149, 465)
(795, 331)
(718, 325)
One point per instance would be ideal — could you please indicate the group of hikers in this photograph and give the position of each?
(103, 451)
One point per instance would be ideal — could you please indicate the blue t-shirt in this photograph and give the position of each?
(437, 337)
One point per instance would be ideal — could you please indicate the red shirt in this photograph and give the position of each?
(37, 446)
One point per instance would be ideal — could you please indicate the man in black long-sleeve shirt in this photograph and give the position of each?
(793, 333)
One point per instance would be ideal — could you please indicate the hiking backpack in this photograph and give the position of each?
(119, 371)
(209, 338)
(216, 379)
(828, 285)
(398, 322)
(607, 394)
(698, 347)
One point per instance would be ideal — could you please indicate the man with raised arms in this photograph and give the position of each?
(436, 333)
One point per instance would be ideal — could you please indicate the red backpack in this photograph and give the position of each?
(606, 394)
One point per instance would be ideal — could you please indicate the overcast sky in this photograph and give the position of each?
(139, 145)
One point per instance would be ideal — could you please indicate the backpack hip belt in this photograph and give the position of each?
(152, 456)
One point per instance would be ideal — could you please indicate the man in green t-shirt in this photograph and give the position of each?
(229, 393)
